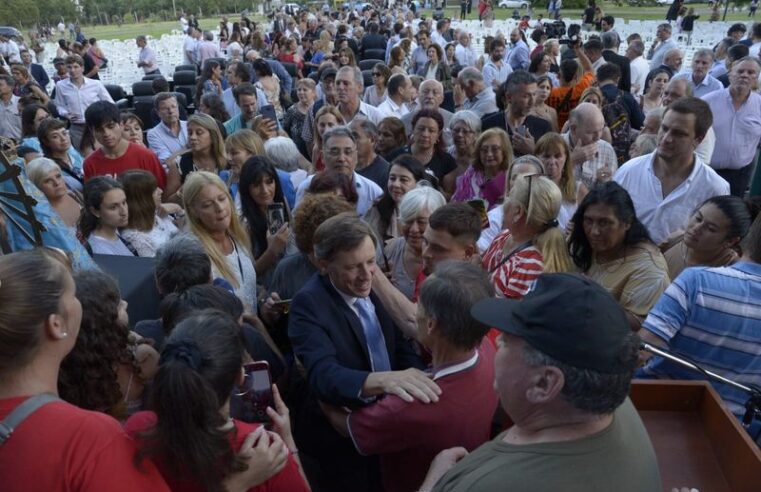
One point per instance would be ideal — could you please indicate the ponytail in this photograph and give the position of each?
(551, 243)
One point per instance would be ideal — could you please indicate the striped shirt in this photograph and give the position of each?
(713, 317)
(515, 277)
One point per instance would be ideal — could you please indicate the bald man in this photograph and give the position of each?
(672, 61)
(594, 159)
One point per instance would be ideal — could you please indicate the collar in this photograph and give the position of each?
(484, 93)
(448, 370)
(349, 300)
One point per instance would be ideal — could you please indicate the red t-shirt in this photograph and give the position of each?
(136, 157)
(407, 436)
(289, 479)
(63, 448)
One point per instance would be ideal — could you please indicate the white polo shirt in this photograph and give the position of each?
(663, 216)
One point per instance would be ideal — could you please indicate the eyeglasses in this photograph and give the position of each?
(458, 131)
(487, 149)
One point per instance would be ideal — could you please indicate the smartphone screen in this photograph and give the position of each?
(251, 399)
(268, 112)
(275, 217)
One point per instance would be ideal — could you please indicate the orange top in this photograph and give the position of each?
(558, 97)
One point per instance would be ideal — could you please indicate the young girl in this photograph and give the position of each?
(541, 109)
(104, 212)
(147, 230)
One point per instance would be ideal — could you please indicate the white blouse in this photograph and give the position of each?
(147, 243)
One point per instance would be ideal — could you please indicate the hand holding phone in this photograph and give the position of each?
(254, 395)
(268, 112)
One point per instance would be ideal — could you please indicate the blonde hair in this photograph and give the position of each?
(542, 209)
(247, 140)
(592, 91)
(217, 143)
(327, 109)
(554, 141)
(193, 186)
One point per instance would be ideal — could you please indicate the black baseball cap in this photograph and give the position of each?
(566, 316)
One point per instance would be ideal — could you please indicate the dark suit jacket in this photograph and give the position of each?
(443, 74)
(40, 76)
(625, 84)
(328, 339)
(373, 42)
(538, 127)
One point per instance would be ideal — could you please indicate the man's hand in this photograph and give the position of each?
(583, 153)
(265, 454)
(441, 464)
(270, 312)
(409, 385)
(458, 94)
(523, 144)
(266, 128)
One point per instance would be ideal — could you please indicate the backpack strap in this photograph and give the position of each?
(21, 412)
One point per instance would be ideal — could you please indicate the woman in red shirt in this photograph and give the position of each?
(190, 434)
(532, 242)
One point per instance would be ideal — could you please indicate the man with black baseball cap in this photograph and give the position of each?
(563, 368)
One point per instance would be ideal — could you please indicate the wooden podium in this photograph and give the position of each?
(698, 442)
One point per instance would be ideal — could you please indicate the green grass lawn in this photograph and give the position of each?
(156, 29)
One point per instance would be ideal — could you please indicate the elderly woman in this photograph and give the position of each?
(392, 135)
(712, 235)
(404, 255)
(376, 93)
(437, 68)
(465, 127)
(532, 242)
(404, 174)
(526, 164)
(287, 159)
(610, 245)
(46, 175)
(553, 150)
(485, 178)
(212, 218)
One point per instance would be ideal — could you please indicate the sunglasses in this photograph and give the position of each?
(530, 178)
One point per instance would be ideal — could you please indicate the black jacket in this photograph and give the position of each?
(625, 84)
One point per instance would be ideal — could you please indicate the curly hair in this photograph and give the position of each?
(88, 375)
(313, 211)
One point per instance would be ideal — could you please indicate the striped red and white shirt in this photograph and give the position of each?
(514, 277)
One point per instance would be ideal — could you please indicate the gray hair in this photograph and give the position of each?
(141, 38)
(517, 79)
(468, 75)
(356, 72)
(341, 233)
(665, 26)
(337, 131)
(747, 59)
(448, 295)
(283, 152)
(208, 36)
(417, 200)
(367, 126)
(38, 169)
(610, 40)
(469, 118)
(589, 390)
(703, 52)
(181, 263)
(646, 143)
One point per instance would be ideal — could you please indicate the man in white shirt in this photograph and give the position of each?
(669, 184)
(207, 48)
(189, 47)
(339, 150)
(675, 90)
(350, 86)
(75, 94)
(593, 158)
(398, 90)
(663, 42)
(465, 52)
(755, 36)
(639, 66)
(10, 120)
(437, 36)
(9, 49)
(147, 59)
(701, 81)
(496, 69)
(171, 134)
(473, 94)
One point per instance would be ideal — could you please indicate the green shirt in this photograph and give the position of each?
(619, 458)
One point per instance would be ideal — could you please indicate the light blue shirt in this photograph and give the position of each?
(164, 143)
(518, 57)
(657, 59)
(705, 87)
(367, 191)
(493, 72)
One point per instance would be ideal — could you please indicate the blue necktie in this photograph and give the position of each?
(376, 344)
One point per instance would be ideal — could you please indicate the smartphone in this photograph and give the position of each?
(522, 130)
(255, 394)
(480, 206)
(275, 217)
(285, 305)
(268, 112)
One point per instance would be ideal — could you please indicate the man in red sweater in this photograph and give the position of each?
(116, 155)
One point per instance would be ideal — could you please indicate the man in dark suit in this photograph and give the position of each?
(373, 40)
(610, 43)
(352, 353)
(36, 70)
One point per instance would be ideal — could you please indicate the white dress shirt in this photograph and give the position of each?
(665, 215)
(367, 191)
(493, 72)
(390, 108)
(737, 131)
(466, 56)
(639, 70)
(10, 119)
(72, 101)
(705, 87)
(657, 59)
(148, 58)
(437, 38)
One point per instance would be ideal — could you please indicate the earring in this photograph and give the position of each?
(64, 334)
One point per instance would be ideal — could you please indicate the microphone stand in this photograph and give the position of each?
(752, 406)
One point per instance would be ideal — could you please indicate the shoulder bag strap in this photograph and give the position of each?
(21, 412)
(507, 257)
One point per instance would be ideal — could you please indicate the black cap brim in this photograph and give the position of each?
(498, 313)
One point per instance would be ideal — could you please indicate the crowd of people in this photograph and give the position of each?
(446, 258)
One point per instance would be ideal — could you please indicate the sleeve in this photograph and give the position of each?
(644, 287)
(488, 75)
(154, 143)
(528, 267)
(103, 93)
(637, 116)
(44, 79)
(59, 101)
(672, 310)
(289, 479)
(331, 382)
(383, 427)
(140, 242)
(88, 168)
